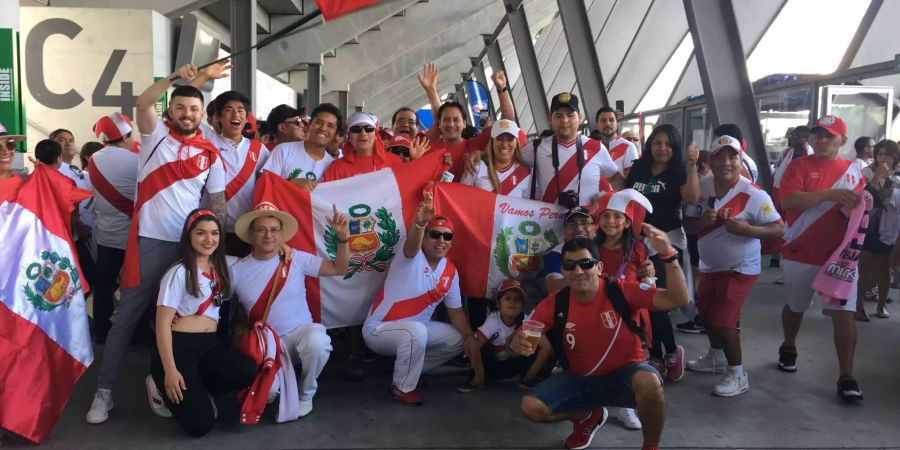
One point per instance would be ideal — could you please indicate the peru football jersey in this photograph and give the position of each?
(496, 333)
(515, 181)
(719, 249)
(172, 293)
(114, 189)
(241, 168)
(598, 167)
(291, 161)
(623, 152)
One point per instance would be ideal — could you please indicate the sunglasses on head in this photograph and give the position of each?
(585, 264)
(434, 234)
(361, 128)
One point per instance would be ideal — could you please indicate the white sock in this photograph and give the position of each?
(736, 370)
(717, 353)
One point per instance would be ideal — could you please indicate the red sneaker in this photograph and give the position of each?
(410, 398)
(583, 431)
(675, 364)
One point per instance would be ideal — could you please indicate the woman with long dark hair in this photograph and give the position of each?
(667, 176)
(191, 364)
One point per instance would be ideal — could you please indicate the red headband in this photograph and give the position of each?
(439, 222)
(200, 212)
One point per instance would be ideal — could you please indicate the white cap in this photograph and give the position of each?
(504, 126)
(725, 141)
(362, 118)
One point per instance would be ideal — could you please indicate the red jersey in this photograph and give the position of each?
(458, 151)
(612, 259)
(814, 233)
(596, 341)
(358, 165)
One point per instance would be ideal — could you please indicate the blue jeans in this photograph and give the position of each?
(570, 392)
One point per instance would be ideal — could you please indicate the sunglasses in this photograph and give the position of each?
(361, 128)
(585, 264)
(10, 145)
(633, 140)
(434, 234)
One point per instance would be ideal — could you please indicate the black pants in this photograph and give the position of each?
(502, 370)
(109, 263)
(85, 260)
(660, 324)
(208, 369)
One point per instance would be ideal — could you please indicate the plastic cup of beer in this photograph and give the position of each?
(533, 330)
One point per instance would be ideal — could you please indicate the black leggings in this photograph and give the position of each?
(208, 369)
(502, 370)
(660, 324)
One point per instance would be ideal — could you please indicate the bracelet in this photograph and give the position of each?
(672, 256)
(505, 89)
(343, 241)
(421, 227)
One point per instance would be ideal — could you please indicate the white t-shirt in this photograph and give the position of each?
(721, 250)
(482, 180)
(496, 333)
(172, 293)
(119, 167)
(234, 156)
(623, 152)
(290, 160)
(162, 216)
(83, 181)
(289, 309)
(594, 170)
(410, 278)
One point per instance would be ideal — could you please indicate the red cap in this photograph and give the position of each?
(439, 221)
(250, 126)
(508, 284)
(400, 140)
(832, 124)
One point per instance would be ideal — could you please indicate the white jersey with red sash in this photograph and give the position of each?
(719, 249)
(172, 174)
(241, 161)
(253, 280)
(515, 180)
(413, 290)
(113, 172)
(814, 233)
(172, 293)
(623, 152)
(597, 168)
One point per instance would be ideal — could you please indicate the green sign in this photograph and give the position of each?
(12, 112)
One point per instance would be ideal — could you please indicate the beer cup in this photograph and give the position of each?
(533, 330)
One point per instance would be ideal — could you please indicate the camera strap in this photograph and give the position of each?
(534, 168)
(579, 155)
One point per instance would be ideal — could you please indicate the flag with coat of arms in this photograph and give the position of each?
(380, 207)
(496, 237)
(45, 342)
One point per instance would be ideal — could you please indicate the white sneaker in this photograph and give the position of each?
(732, 385)
(629, 418)
(306, 407)
(707, 364)
(155, 400)
(100, 407)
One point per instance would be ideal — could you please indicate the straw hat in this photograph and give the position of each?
(289, 224)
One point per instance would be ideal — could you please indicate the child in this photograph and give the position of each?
(495, 360)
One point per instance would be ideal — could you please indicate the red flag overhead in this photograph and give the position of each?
(332, 9)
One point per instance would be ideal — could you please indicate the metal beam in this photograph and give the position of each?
(461, 97)
(531, 72)
(191, 7)
(243, 31)
(723, 71)
(860, 35)
(342, 102)
(313, 86)
(581, 49)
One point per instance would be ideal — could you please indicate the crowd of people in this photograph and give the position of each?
(173, 211)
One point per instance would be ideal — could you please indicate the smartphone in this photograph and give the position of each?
(620, 105)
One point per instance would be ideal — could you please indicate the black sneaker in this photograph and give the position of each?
(787, 359)
(848, 390)
(694, 326)
(775, 263)
(469, 386)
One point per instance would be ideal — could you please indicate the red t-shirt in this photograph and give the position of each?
(818, 242)
(458, 151)
(612, 259)
(596, 341)
(345, 168)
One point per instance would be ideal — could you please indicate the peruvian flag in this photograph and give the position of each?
(332, 9)
(45, 342)
(497, 237)
(380, 205)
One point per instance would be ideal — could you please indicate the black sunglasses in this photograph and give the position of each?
(360, 128)
(434, 234)
(11, 145)
(585, 264)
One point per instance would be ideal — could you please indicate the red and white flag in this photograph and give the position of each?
(380, 206)
(45, 342)
(332, 9)
(496, 237)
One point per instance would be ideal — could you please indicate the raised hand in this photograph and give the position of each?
(659, 240)
(428, 76)
(425, 209)
(420, 146)
(692, 154)
(185, 72)
(339, 223)
(217, 71)
(499, 79)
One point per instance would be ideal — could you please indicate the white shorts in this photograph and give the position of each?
(798, 278)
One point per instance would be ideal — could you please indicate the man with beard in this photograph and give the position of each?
(305, 162)
(622, 151)
(450, 119)
(176, 164)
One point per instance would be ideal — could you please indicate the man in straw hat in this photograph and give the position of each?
(262, 278)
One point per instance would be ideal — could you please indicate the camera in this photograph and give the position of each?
(569, 199)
